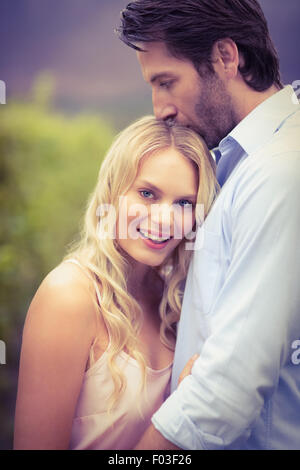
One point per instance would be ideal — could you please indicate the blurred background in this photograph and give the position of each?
(71, 85)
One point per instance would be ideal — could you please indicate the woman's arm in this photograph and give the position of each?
(58, 333)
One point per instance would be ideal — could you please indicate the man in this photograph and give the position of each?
(212, 66)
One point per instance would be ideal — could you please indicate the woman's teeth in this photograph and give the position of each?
(153, 238)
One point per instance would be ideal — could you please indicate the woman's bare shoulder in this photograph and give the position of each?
(67, 275)
(66, 293)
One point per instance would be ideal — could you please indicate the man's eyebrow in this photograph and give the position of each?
(159, 76)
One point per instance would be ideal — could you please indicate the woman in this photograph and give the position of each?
(99, 335)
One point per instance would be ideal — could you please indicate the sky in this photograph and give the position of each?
(74, 40)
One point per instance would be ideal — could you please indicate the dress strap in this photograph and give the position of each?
(75, 261)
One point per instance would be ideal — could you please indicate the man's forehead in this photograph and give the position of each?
(154, 75)
(156, 61)
(154, 47)
(154, 52)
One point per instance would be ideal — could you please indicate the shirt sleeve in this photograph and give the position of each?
(252, 319)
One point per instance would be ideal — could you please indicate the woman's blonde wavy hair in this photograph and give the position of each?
(104, 260)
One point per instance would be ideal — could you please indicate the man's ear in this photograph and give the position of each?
(226, 58)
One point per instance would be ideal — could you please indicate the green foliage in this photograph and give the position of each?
(48, 167)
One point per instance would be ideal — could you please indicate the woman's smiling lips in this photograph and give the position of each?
(154, 241)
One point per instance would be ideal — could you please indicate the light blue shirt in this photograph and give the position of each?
(241, 307)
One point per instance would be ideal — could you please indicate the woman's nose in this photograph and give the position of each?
(162, 219)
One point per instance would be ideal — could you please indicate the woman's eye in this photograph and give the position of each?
(146, 194)
(185, 203)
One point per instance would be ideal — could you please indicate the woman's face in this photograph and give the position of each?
(159, 208)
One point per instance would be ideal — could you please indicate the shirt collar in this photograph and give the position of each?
(259, 125)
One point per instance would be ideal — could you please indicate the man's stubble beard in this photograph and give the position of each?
(214, 110)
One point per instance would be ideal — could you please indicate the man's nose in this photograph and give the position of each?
(163, 111)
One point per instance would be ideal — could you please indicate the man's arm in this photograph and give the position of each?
(153, 439)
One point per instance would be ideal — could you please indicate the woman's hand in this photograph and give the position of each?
(187, 368)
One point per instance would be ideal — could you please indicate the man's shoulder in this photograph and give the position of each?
(273, 171)
(279, 156)
(274, 166)
(287, 138)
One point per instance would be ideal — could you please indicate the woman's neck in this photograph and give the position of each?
(141, 280)
(137, 277)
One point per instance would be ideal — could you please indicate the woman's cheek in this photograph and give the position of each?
(131, 215)
(184, 220)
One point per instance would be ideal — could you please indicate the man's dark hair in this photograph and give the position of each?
(190, 28)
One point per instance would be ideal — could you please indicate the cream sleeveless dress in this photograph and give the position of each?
(93, 427)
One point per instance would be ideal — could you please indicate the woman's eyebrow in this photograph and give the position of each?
(149, 185)
(155, 188)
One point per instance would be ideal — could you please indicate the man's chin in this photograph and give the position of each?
(197, 130)
(209, 142)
